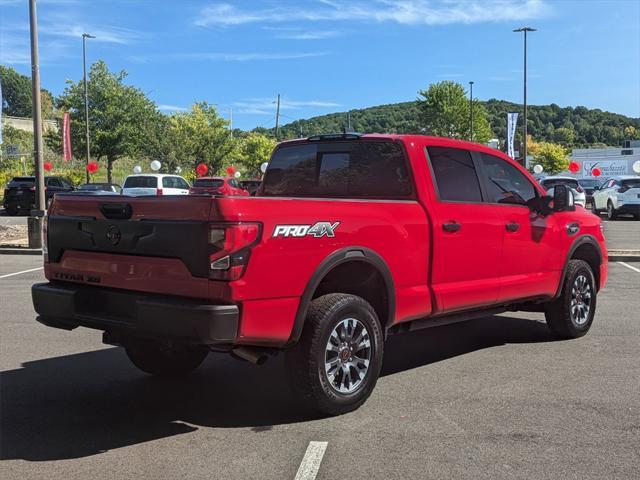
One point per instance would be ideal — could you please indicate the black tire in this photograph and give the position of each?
(594, 210)
(611, 211)
(305, 362)
(560, 320)
(11, 211)
(164, 359)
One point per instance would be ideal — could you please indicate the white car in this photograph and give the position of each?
(155, 184)
(579, 197)
(617, 196)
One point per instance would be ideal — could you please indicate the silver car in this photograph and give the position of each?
(579, 197)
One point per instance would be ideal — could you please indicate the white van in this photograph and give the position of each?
(155, 184)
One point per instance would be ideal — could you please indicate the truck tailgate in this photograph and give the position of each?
(155, 244)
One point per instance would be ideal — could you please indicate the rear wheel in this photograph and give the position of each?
(571, 315)
(336, 363)
(611, 211)
(164, 358)
(593, 208)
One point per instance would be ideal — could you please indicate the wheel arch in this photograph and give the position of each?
(586, 248)
(342, 257)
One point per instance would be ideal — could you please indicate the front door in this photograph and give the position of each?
(467, 239)
(530, 251)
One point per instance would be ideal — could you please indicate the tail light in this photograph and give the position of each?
(231, 245)
(158, 191)
(33, 189)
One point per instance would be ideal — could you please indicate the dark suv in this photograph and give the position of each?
(20, 192)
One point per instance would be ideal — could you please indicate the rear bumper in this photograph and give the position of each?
(67, 306)
(629, 208)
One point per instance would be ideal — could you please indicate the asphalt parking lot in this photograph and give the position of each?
(493, 398)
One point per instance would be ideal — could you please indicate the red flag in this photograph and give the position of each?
(66, 137)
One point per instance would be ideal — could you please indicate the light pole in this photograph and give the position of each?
(471, 110)
(86, 97)
(525, 30)
(34, 222)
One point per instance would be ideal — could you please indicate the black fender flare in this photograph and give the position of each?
(339, 257)
(578, 242)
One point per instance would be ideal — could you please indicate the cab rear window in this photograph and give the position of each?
(141, 182)
(351, 169)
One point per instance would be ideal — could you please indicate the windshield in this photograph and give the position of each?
(94, 186)
(569, 182)
(587, 182)
(141, 182)
(631, 183)
(208, 182)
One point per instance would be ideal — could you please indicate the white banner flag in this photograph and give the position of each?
(512, 122)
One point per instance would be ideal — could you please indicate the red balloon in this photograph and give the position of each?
(202, 169)
(231, 171)
(574, 167)
(48, 166)
(92, 167)
(596, 172)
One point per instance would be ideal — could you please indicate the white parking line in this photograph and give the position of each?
(630, 266)
(311, 461)
(18, 273)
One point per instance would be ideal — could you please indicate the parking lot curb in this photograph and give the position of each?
(624, 255)
(20, 251)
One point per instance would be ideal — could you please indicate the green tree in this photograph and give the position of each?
(201, 136)
(117, 115)
(253, 150)
(16, 95)
(551, 156)
(631, 133)
(161, 141)
(445, 112)
(564, 136)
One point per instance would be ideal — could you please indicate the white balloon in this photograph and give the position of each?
(178, 169)
(155, 165)
(636, 166)
(263, 167)
(237, 174)
(137, 169)
(538, 169)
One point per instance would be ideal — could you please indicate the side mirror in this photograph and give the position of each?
(562, 199)
(596, 187)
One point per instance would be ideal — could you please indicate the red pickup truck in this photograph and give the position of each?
(349, 239)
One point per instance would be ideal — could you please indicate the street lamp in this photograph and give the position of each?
(471, 110)
(86, 96)
(524, 128)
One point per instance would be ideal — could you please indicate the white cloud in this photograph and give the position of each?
(227, 57)
(171, 108)
(301, 35)
(267, 106)
(405, 12)
(103, 34)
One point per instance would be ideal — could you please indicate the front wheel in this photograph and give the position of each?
(163, 358)
(571, 314)
(611, 211)
(336, 364)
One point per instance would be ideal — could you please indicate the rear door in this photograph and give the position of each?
(467, 234)
(530, 254)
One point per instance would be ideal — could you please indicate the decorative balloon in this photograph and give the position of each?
(155, 165)
(237, 175)
(263, 167)
(574, 167)
(178, 169)
(538, 169)
(137, 169)
(202, 169)
(596, 172)
(92, 167)
(636, 166)
(48, 166)
(231, 170)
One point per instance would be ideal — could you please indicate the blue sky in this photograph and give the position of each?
(334, 55)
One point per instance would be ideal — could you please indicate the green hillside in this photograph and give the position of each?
(576, 127)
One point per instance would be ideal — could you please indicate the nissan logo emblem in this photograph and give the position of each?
(113, 234)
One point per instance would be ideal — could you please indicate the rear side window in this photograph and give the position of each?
(208, 182)
(455, 174)
(356, 169)
(631, 183)
(54, 182)
(505, 183)
(141, 182)
(174, 182)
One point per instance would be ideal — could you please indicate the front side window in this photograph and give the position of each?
(505, 183)
(174, 182)
(53, 182)
(455, 174)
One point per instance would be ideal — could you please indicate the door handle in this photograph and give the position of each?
(451, 227)
(512, 227)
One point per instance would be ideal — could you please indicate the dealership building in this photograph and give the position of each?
(611, 160)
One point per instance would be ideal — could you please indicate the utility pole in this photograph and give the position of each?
(525, 30)
(471, 110)
(86, 98)
(35, 220)
(277, 116)
(349, 121)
